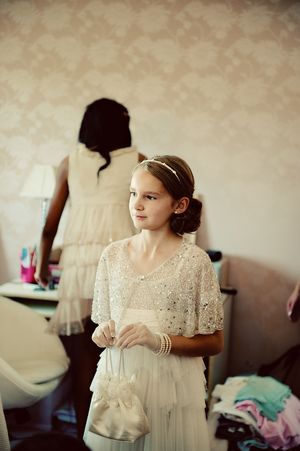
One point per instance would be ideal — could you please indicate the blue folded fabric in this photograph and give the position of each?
(268, 393)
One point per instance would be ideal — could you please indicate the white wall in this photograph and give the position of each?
(214, 82)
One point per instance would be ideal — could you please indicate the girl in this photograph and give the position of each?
(157, 297)
(95, 178)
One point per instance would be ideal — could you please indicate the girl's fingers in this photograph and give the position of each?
(129, 336)
(133, 334)
(109, 332)
(112, 328)
(102, 335)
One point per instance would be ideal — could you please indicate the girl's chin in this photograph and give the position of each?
(138, 222)
(139, 225)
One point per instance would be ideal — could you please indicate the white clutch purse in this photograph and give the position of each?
(116, 410)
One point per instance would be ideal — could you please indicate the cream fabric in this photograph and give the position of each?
(98, 215)
(183, 291)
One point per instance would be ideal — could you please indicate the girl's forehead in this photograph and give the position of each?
(142, 176)
(142, 179)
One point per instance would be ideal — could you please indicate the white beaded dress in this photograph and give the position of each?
(180, 297)
(98, 215)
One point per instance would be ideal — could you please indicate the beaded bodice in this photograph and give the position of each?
(183, 291)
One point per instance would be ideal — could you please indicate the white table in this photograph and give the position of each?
(42, 301)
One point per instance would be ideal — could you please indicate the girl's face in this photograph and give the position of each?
(150, 203)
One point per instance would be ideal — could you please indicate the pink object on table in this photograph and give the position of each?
(27, 274)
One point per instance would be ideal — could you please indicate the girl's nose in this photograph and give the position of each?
(138, 205)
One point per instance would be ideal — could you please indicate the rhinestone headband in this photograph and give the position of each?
(162, 164)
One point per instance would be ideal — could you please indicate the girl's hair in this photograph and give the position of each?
(104, 128)
(178, 179)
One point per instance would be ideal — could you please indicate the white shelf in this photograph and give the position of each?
(42, 301)
(18, 289)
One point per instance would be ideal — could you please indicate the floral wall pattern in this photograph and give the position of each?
(216, 82)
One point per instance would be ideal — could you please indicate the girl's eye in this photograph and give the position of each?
(151, 197)
(132, 194)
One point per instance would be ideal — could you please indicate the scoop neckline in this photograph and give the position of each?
(155, 270)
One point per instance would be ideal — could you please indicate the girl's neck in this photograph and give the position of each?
(148, 250)
(152, 243)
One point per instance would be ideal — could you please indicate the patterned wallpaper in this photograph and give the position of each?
(216, 82)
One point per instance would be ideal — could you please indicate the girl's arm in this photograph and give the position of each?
(56, 208)
(197, 346)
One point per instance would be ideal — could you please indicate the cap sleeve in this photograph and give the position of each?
(209, 306)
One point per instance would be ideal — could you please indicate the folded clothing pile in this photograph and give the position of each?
(257, 413)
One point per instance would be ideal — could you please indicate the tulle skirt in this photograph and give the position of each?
(89, 230)
(172, 390)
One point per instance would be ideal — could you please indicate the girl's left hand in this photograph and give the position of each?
(137, 334)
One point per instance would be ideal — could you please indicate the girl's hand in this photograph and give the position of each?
(104, 334)
(137, 334)
(42, 279)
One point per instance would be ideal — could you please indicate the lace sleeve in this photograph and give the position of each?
(209, 308)
(100, 306)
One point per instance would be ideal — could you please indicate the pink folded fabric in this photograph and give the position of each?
(282, 433)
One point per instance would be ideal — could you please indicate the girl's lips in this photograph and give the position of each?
(140, 217)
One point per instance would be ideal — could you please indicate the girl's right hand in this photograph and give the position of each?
(41, 279)
(104, 334)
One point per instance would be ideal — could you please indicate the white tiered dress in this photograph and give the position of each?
(98, 215)
(181, 297)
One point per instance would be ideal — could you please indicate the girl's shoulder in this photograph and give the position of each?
(196, 258)
(195, 261)
(115, 248)
(193, 250)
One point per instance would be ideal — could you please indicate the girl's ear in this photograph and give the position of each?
(181, 205)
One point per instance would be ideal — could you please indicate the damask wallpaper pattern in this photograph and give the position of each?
(216, 82)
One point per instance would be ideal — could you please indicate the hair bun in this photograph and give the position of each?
(190, 220)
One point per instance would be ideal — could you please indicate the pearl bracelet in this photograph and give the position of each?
(165, 345)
